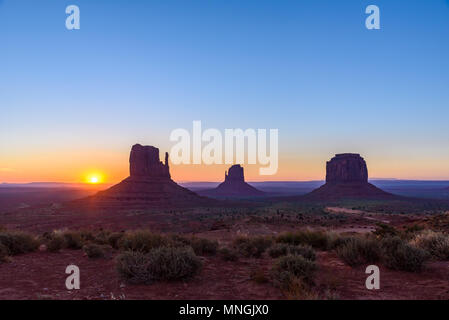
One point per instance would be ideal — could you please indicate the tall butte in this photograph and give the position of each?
(347, 177)
(234, 185)
(149, 184)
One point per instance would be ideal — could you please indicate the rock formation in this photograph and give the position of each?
(149, 184)
(144, 162)
(347, 177)
(234, 185)
(345, 168)
(235, 174)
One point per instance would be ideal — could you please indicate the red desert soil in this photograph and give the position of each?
(431, 283)
(48, 218)
(41, 275)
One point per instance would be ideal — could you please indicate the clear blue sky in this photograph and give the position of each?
(138, 69)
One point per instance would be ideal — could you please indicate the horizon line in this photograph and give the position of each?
(206, 181)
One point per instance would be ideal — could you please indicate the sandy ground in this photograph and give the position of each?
(41, 275)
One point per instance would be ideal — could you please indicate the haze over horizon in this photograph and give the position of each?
(74, 102)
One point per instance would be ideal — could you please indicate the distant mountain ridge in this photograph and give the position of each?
(52, 185)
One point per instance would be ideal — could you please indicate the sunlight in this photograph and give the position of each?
(94, 178)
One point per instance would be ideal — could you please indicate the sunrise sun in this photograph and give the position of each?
(94, 178)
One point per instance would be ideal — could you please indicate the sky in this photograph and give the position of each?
(73, 102)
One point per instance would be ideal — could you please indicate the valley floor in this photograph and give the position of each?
(41, 275)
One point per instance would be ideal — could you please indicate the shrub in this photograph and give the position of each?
(315, 239)
(142, 241)
(134, 267)
(390, 244)
(252, 247)
(96, 250)
(296, 289)
(180, 241)
(384, 230)
(283, 249)
(3, 253)
(204, 246)
(399, 255)
(228, 254)
(73, 240)
(436, 243)
(303, 250)
(164, 263)
(414, 229)
(18, 242)
(278, 249)
(55, 243)
(289, 267)
(339, 241)
(113, 239)
(101, 238)
(87, 236)
(359, 251)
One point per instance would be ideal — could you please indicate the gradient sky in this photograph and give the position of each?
(73, 102)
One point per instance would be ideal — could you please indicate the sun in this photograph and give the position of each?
(94, 178)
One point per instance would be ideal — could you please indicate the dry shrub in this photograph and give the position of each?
(296, 289)
(316, 239)
(252, 247)
(291, 267)
(3, 253)
(358, 251)
(411, 231)
(228, 254)
(101, 237)
(339, 241)
(55, 243)
(95, 251)
(384, 230)
(400, 255)
(18, 242)
(278, 250)
(180, 241)
(204, 246)
(73, 240)
(436, 243)
(164, 263)
(282, 249)
(113, 239)
(142, 241)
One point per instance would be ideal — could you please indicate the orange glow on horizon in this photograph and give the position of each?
(110, 167)
(94, 178)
